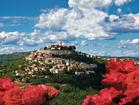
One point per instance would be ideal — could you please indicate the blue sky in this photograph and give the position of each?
(28, 7)
(108, 28)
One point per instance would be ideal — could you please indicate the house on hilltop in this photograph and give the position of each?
(59, 47)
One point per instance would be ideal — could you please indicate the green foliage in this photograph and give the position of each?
(5, 58)
(49, 65)
(71, 95)
(73, 89)
(8, 68)
(77, 57)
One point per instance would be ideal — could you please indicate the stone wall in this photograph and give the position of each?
(56, 52)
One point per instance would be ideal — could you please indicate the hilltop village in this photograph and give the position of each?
(72, 72)
(58, 58)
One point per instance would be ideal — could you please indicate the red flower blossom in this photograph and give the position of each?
(6, 84)
(105, 97)
(132, 97)
(34, 95)
(115, 79)
(51, 91)
(1, 98)
(10, 94)
(122, 75)
(128, 65)
(88, 100)
(125, 66)
(13, 97)
(113, 66)
(132, 79)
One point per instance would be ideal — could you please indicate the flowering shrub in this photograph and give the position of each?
(51, 91)
(11, 94)
(1, 98)
(122, 79)
(6, 84)
(105, 97)
(32, 93)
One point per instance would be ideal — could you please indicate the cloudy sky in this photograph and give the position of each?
(98, 27)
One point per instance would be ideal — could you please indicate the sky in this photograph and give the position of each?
(108, 28)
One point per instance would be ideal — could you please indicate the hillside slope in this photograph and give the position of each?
(5, 58)
(73, 88)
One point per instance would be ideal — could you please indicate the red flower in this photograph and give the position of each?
(6, 84)
(1, 98)
(51, 91)
(125, 66)
(128, 65)
(34, 95)
(13, 97)
(122, 75)
(105, 97)
(115, 79)
(132, 79)
(10, 94)
(132, 97)
(113, 65)
(88, 100)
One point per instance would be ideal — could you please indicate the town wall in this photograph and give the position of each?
(56, 52)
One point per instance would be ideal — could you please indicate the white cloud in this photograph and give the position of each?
(135, 41)
(88, 4)
(53, 19)
(121, 2)
(19, 39)
(10, 37)
(126, 43)
(100, 53)
(55, 36)
(84, 19)
(73, 22)
(123, 24)
(28, 41)
(62, 24)
(9, 50)
(34, 33)
(18, 17)
(112, 18)
(117, 53)
(16, 21)
(83, 43)
(131, 53)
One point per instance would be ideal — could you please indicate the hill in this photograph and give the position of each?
(64, 68)
(126, 57)
(5, 58)
(71, 79)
